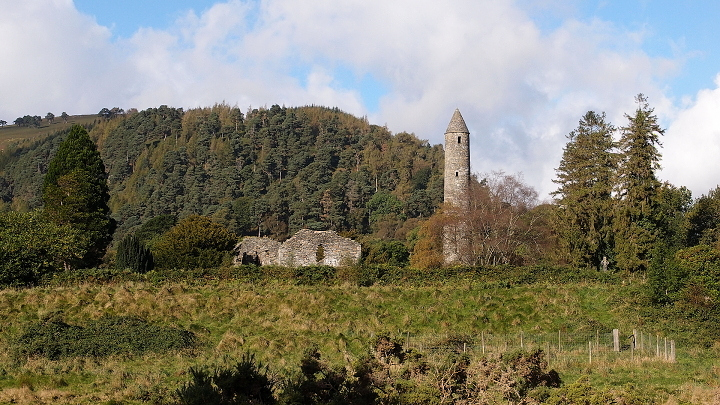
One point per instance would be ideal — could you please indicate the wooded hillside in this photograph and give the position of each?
(268, 171)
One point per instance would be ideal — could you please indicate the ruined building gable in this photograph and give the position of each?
(255, 250)
(305, 248)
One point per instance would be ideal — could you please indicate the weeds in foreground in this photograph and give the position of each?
(277, 321)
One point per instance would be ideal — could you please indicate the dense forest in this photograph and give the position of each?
(269, 172)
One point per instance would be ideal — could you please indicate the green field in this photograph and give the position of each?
(12, 134)
(279, 320)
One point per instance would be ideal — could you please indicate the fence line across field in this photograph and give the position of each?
(634, 344)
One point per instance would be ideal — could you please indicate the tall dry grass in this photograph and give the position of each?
(278, 321)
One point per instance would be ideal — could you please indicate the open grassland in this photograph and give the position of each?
(278, 321)
(12, 134)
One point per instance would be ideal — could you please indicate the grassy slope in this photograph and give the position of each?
(12, 134)
(279, 321)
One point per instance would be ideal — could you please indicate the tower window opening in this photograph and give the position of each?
(457, 173)
(458, 139)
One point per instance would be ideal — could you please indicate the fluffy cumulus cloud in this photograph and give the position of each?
(521, 89)
(692, 144)
(54, 58)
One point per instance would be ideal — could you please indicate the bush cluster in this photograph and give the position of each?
(109, 335)
(390, 374)
(246, 382)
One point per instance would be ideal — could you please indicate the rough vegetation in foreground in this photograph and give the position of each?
(255, 311)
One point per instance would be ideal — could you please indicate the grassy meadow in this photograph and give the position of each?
(279, 320)
(13, 134)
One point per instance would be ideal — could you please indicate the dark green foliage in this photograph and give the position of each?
(109, 335)
(581, 392)
(321, 384)
(246, 383)
(313, 275)
(132, 254)
(585, 179)
(636, 228)
(703, 220)
(24, 169)
(195, 242)
(270, 172)
(154, 227)
(75, 193)
(386, 252)
(701, 264)
(28, 121)
(32, 246)
(368, 275)
(665, 277)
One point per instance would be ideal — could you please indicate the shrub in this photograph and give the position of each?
(247, 382)
(195, 242)
(32, 246)
(509, 378)
(312, 275)
(392, 252)
(109, 335)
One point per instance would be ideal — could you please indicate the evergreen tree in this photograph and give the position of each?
(585, 179)
(703, 220)
(133, 255)
(636, 229)
(75, 193)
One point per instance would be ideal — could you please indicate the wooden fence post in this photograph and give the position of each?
(672, 351)
(616, 340)
(559, 342)
(634, 341)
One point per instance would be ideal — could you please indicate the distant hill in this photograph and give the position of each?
(269, 171)
(11, 134)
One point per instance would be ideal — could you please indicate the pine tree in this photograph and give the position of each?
(636, 229)
(585, 179)
(133, 255)
(75, 193)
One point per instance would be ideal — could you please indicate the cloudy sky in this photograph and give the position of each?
(521, 72)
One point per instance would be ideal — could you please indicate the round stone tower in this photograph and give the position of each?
(457, 162)
(456, 245)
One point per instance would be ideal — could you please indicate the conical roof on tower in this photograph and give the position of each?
(457, 123)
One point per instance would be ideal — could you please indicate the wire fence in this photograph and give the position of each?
(597, 346)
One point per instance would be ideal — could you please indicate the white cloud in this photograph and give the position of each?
(520, 89)
(692, 144)
(54, 59)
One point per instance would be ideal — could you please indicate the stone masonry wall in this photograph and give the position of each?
(303, 249)
(255, 250)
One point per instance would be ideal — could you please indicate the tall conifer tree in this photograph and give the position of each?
(636, 229)
(75, 193)
(585, 179)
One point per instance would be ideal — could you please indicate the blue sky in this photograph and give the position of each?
(522, 72)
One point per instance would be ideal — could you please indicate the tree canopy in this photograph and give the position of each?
(75, 193)
(585, 181)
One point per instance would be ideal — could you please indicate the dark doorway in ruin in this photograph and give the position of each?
(320, 254)
(249, 258)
